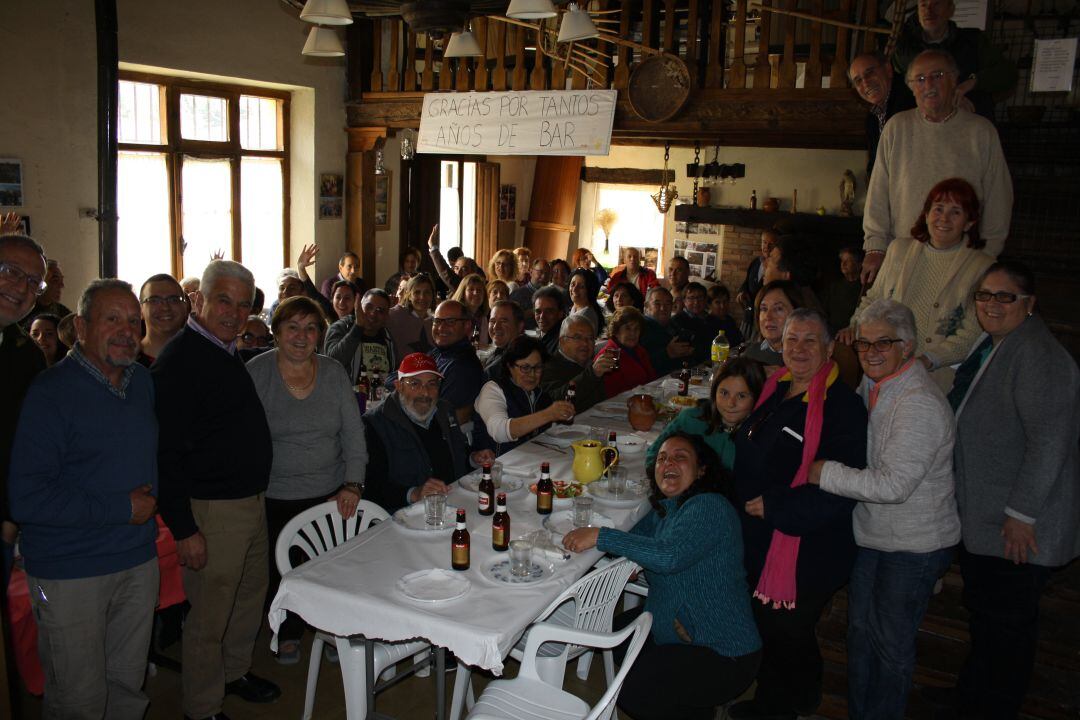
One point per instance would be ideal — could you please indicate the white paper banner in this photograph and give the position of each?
(1052, 69)
(532, 122)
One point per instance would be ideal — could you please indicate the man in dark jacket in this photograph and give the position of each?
(367, 341)
(873, 79)
(573, 363)
(415, 445)
(456, 358)
(211, 495)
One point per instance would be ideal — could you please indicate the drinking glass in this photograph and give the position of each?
(496, 474)
(582, 511)
(434, 509)
(615, 353)
(617, 481)
(520, 557)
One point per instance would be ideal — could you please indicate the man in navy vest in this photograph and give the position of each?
(415, 445)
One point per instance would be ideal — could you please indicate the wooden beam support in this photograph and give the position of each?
(626, 176)
(360, 194)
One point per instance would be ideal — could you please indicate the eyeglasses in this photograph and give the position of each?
(529, 369)
(159, 300)
(259, 339)
(580, 338)
(439, 322)
(11, 273)
(373, 309)
(415, 384)
(882, 345)
(1005, 298)
(935, 76)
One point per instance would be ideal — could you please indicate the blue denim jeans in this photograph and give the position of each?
(887, 598)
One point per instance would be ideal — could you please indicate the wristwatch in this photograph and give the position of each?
(358, 487)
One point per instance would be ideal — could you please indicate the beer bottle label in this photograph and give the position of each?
(498, 537)
(484, 501)
(459, 554)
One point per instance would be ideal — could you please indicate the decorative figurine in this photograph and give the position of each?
(847, 193)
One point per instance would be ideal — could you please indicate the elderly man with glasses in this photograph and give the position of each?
(573, 363)
(456, 358)
(415, 444)
(921, 147)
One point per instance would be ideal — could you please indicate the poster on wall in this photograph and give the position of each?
(11, 183)
(330, 189)
(528, 122)
(1052, 68)
(702, 256)
(508, 202)
(382, 201)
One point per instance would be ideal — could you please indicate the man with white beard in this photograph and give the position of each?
(415, 445)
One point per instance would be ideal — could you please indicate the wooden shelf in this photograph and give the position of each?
(848, 228)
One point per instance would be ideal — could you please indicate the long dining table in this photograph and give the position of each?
(352, 591)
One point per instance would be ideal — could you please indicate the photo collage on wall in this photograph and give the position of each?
(699, 244)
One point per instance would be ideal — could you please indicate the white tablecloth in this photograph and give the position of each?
(351, 590)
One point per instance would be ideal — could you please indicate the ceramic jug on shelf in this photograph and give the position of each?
(589, 462)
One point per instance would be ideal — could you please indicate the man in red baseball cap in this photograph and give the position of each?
(415, 446)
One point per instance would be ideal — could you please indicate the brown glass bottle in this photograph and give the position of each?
(545, 490)
(485, 499)
(610, 452)
(684, 380)
(571, 393)
(500, 525)
(459, 544)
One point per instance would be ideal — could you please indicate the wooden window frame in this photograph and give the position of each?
(173, 146)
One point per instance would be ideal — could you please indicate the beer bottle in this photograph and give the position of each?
(571, 393)
(362, 388)
(500, 525)
(684, 380)
(476, 336)
(459, 544)
(376, 386)
(545, 490)
(753, 199)
(486, 493)
(609, 452)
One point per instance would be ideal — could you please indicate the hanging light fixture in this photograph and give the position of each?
(327, 12)
(323, 42)
(576, 25)
(666, 195)
(531, 9)
(463, 44)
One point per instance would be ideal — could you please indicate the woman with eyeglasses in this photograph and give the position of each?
(933, 273)
(906, 525)
(472, 293)
(632, 364)
(319, 447)
(1017, 403)
(409, 322)
(513, 409)
(504, 266)
(732, 395)
(256, 336)
(797, 539)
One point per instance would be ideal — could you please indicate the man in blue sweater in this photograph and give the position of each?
(83, 483)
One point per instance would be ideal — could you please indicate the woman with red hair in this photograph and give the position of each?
(584, 259)
(934, 273)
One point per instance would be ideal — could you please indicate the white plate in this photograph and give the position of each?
(498, 571)
(562, 522)
(631, 497)
(564, 435)
(434, 585)
(631, 444)
(508, 484)
(411, 518)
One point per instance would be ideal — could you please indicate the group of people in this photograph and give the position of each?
(863, 435)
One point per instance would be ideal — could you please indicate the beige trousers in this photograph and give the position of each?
(226, 599)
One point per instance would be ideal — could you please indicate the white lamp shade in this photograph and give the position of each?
(323, 42)
(327, 12)
(531, 9)
(576, 25)
(462, 44)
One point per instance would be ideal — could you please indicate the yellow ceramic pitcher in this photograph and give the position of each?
(589, 461)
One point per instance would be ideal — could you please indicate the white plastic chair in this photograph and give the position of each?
(530, 696)
(315, 531)
(587, 605)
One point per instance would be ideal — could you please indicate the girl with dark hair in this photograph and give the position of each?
(43, 331)
(733, 392)
(934, 273)
(625, 294)
(513, 408)
(703, 649)
(584, 288)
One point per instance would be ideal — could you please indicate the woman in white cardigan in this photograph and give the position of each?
(906, 524)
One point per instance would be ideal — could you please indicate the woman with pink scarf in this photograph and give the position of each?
(798, 543)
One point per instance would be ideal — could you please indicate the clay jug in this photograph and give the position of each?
(642, 411)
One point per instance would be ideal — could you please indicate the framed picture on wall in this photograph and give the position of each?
(383, 197)
(11, 182)
(330, 195)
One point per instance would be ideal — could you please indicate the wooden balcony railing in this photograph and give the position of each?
(734, 49)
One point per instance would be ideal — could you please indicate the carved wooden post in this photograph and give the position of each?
(393, 79)
(480, 76)
(376, 55)
(737, 74)
(410, 64)
(762, 68)
(360, 195)
(838, 74)
(813, 63)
